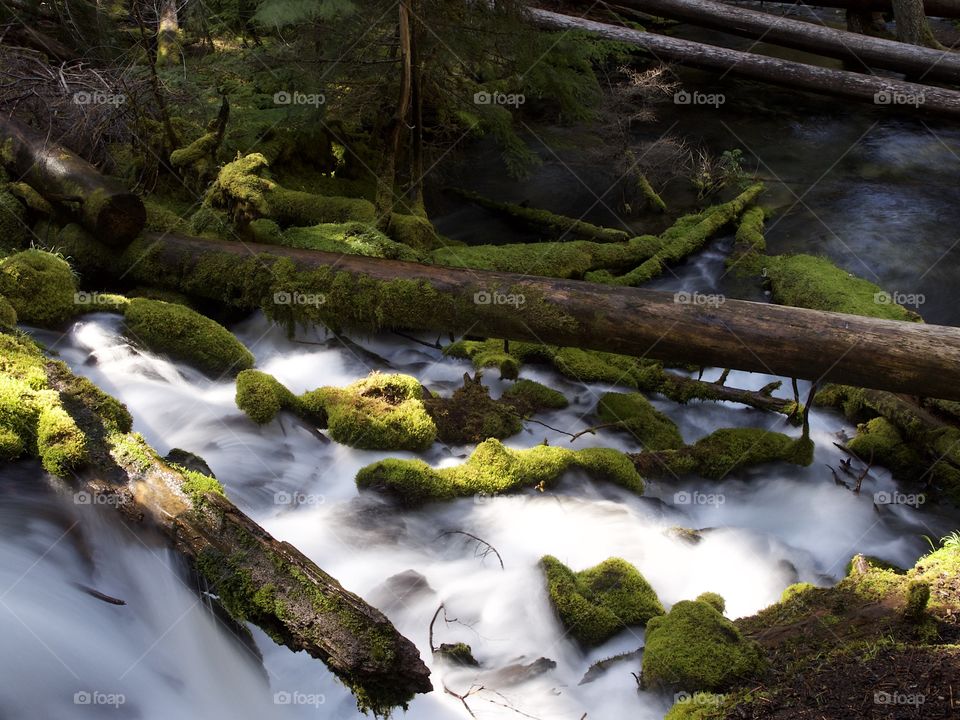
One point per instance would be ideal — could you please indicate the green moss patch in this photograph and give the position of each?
(597, 603)
(494, 469)
(186, 335)
(695, 648)
(353, 238)
(380, 412)
(40, 286)
(634, 413)
(262, 396)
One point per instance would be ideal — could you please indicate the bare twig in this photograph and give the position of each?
(480, 541)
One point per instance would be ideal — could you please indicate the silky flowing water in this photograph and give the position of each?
(166, 655)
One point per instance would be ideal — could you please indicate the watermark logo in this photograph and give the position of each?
(298, 298)
(498, 98)
(891, 97)
(298, 698)
(899, 298)
(296, 97)
(97, 97)
(698, 298)
(297, 498)
(93, 298)
(700, 698)
(87, 498)
(881, 697)
(684, 97)
(94, 697)
(698, 498)
(485, 297)
(898, 498)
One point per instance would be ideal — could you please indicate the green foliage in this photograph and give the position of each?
(40, 286)
(186, 335)
(380, 412)
(695, 648)
(596, 603)
(493, 469)
(634, 413)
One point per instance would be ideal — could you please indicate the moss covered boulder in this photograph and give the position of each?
(380, 412)
(597, 603)
(8, 316)
(493, 469)
(695, 648)
(262, 396)
(186, 335)
(40, 286)
(634, 413)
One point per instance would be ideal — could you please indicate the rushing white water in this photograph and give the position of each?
(168, 656)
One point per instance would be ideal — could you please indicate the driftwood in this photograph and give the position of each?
(862, 50)
(257, 578)
(107, 209)
(913, 358)
(900, 94)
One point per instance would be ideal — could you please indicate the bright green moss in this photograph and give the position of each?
(60, 443)
(634, 413)
(197, 485)
(18, 416)
(40, 287)
(597, 603)
(795, 590)
(8, 316)
(414, 231)
(380, 412)
(186, 335)
(815, 282)
(729, 449)
(491, 469)
(262, 396)
(687, 236)
(11, 444)
(714, 599)
(111, 412)
(354, 238)
(699, 706)
(530, 396)
(749, 243)
(695, 648)
(457, 654)
(879, 442)
(131, 450)
(484, 354)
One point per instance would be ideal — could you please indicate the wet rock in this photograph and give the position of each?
(601, 666)
(457, 654)
(517, 673)
(400, 589)
(189, 460)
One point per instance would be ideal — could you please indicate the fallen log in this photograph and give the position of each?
(256, 578)
(345, 290)
(932, 8)
(839, 83)
(863, 50)
(106, 208)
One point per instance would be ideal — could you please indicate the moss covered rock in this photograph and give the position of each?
(597, 603)
(695, 648)
(494, 469)
(186, 335)
(40, 286)
(380, 412)
(8, 316)
(262, 396)
(529, 396)
(634, 413)
(879, 442)
(413, 231)
(14, 231)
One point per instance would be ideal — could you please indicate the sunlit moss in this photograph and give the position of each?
(634, 413)
(40, 286)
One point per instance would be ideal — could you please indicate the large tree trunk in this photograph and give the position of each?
(168, 33)
(106, 208)
(257, 578)
(387, 173)
(912, 26)
(819, 39)
(849, 85)
(794, 342)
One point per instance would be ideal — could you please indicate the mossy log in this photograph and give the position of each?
(860, 50)
(787, 73)
(372, 293)
(555, 226)
(82, 433)
(106, 208)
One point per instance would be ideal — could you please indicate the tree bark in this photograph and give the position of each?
(257, 577)
(932, 8)
(820, 39)
(912, 26)
(168, 32)
(913, 358)
(839, 83)
(106, 208)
